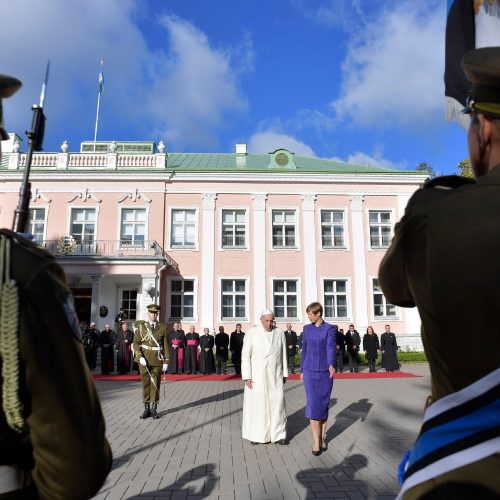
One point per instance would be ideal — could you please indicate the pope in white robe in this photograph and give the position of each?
(264, 369)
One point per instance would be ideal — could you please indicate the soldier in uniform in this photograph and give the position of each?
(52, 431)
(445, 260)
(149, 348)
(90, 341)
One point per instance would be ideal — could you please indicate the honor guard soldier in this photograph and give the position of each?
(150, 353)
(52, 442)
(445, 260)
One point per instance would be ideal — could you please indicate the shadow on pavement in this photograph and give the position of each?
(347, 417)
(182, 486)
(216, 398)
(297, 421)
(319, 482)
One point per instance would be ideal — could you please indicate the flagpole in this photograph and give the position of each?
(99, 92)
(97, 117)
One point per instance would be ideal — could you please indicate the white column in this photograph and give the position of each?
(402, 202)
(358, 250)
(208, 284)
(94, 307)
(148, 282)
(259, 254)
(309, 245)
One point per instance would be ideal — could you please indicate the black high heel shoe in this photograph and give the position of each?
(324, 447)
(316, 453)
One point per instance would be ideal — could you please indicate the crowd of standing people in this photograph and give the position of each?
(209, 353)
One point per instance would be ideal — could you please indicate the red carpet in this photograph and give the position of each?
(219, 378)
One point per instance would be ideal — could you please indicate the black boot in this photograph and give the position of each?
(154, 414)
(147, 411)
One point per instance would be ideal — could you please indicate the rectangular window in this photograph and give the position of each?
(233, 299)
(332, 228)
(335, 298)
(183, 232)
(381, 308)
(285, 298)
(133, 227)
(380, 228)
(37, 224)
(284, 228)
(83, 225)
(129, 304)
(234, 228)
(182, 299)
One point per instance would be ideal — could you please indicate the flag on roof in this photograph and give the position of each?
(101, 77)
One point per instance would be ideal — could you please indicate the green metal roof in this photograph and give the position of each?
(195, 162)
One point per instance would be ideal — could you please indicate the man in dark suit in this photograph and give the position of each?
(291, 347)
(352, 341)
(445, 259)
(340, 347)
(235, 346)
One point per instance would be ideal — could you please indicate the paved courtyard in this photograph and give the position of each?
(195, 450)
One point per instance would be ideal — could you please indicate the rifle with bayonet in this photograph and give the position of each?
(35, 143)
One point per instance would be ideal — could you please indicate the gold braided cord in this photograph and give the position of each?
(9, 341)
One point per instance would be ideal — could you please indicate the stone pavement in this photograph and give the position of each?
(195, 450)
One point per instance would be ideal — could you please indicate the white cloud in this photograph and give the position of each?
(268, 141)
(182, 91)
(198, 87)
(394, 67)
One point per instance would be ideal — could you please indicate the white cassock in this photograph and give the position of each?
(264, 361)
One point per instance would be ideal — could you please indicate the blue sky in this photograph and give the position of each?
(356, 80)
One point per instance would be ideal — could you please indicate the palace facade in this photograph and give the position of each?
(215, 238)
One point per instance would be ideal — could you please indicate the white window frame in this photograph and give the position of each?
(122, 288)
(92, 246)
(246, 279)
(296, 247)
(195, 247)
(146, 226)
(348, 292)
(246, 246)
(385, 302)
(298, 318)
(391, 214)
(345, 213)
(169, 316)
(45, 219)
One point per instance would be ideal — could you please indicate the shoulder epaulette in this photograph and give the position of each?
(139, 322)
(448, 182)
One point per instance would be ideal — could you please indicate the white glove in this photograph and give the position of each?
(143, 361)
(165, 366)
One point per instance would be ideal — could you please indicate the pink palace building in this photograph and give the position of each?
(214, 238)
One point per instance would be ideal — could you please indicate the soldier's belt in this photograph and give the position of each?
(150, 348)
(10, 479)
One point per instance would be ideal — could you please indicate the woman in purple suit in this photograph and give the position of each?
(317, 369)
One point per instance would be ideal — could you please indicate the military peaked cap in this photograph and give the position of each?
(482, 68)
(8, 86)
(154, 308)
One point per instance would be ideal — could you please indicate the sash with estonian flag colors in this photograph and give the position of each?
(459, 429)
(470, 24)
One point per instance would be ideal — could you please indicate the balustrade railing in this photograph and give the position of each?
(118, 249)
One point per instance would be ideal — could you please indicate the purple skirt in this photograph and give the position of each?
(318, 387)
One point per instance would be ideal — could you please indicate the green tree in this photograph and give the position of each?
(425, 167)
(465, 168)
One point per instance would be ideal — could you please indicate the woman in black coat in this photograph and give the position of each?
(371, 347)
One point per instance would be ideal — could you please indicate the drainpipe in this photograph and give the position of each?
(157, 279)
